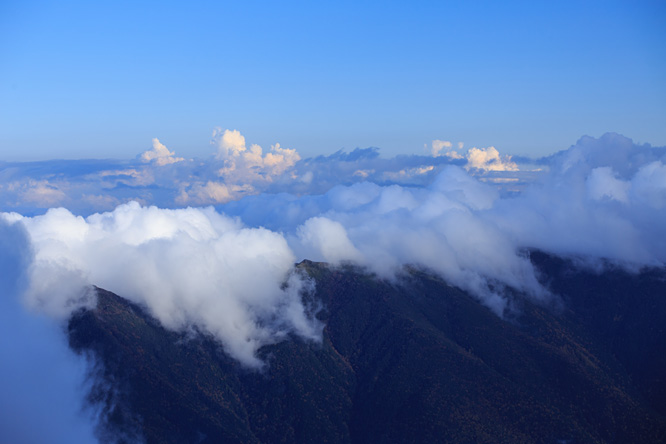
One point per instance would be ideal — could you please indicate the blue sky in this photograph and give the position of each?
(101, 79)
(166, 118)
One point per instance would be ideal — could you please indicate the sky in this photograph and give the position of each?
(102, 79)
(186, 157)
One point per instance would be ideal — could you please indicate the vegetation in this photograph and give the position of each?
(409, 361)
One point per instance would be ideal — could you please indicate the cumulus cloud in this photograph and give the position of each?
(231, 143)
(160, 155)
(190, 267)
(481, 159)
(247, 165)
(444, 148)
(236, 171)
(489, 159)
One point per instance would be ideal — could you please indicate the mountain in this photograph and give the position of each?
(415, 360)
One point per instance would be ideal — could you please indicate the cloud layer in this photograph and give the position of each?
(602, 198)
(233, 171)
(228, 270)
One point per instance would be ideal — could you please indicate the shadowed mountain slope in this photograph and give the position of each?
(413, 361)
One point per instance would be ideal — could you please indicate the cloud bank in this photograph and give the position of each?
(602, 198)
(190, 267)
(228, 270)
(232, 172)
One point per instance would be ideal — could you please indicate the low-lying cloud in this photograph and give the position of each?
(589, 204)
(228, 270)
(190, 267)
(603, 198)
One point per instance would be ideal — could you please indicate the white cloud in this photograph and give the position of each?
(463, 229)
(610, 150)
(160, 155)
(231, 143)
(602, 183)
(441, 229)
(326, 240)
(472, 235)
(189, 267)
(649, 185)
(576, 211)
(489, 159)
(602, 198)
(247, 166)
(445, 148)
(482, 159)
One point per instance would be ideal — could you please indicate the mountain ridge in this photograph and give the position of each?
(410, 361)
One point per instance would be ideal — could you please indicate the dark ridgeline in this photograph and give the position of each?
(418, 361)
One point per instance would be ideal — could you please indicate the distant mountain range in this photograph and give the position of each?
(410, 361)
